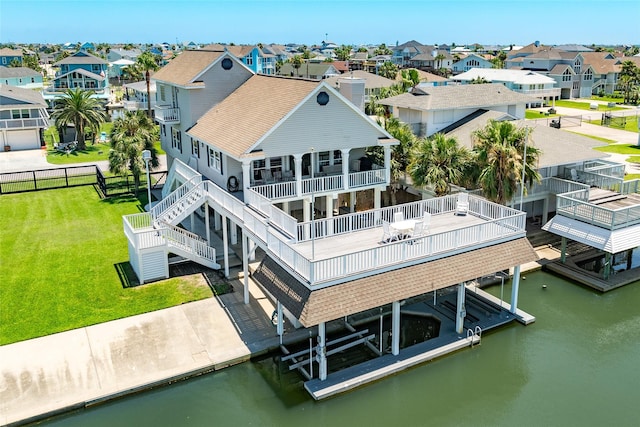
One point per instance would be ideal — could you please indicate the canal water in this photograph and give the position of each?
(577, 365)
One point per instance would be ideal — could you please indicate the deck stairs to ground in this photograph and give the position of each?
(188, 245)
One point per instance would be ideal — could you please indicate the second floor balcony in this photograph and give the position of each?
(26, 123)
(167, 114)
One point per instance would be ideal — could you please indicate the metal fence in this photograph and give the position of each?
(74, 176)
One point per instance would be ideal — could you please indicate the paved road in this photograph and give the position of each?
(27, 160)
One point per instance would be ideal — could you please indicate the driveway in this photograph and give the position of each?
(27, 160)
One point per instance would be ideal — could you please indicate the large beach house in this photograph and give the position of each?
(279, 167)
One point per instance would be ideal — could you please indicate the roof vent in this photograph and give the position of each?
(323, 98)
(227, 63)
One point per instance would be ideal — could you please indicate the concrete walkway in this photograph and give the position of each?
(53, 374)
(82, 367)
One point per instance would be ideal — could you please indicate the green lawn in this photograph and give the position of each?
(608, 98)
(632, 150)
(597, 138)
(59, 252)
(535, 114)
(93, 153)
(634, 159)
(584, 105)
(631, 176)
(631, 125)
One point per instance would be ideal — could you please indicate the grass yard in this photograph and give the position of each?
(59, 252)
(584, 105)
(93, 153)
(632, 150)
(535, 114)
(631, 125)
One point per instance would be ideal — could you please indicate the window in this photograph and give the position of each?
(163, 129)
(195, 148)
(323, 159)
(576, 85)
(541, 86)
(337, 157)
(248, 60)
(162, 93)
(566, 76)
(577, 66)
(215, 159)
(532, 87)
(258, 167)
(176, 139)
(588, 75)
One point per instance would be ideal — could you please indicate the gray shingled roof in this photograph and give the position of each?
(10, 72)
(81, 58)
(459, 96)
(21, 94)
(334, 302)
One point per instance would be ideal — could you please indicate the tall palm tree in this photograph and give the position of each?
(389, 70)
(130, 135)
(499, 149)
(438, 161)
(147, 62)
(77, 107)
(410, 78)
(296, 62)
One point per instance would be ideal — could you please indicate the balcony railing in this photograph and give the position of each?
(135, 105)
(167, 114)
(35, 122)
(540, 92)
(575, 205)
(319, 185)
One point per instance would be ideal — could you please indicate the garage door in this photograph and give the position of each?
(23, 139)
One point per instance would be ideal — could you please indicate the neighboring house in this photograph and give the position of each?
(280, 164)
(427, 79)
(472, 60)
(253, 57)
(23, 118)
(310, 70)
(88, 46)
(573, 75)
(9, 55)
(372, 82)
(433, 109)
(20, 77)
(83, 71)
(135, 95)
(120, 53)
(522, 81)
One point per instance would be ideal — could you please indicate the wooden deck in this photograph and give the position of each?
(343, 244)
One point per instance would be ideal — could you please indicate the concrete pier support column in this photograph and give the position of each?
(306, 209)
(280, 325)
(545, 211)
(207, 225)
(225, 245)
(321, 351)
(515, 288)
(192, 224)
(245, 267)
(285, 208)
(461, 312)
(395, 328)
(563, 250)
(607, 265)
(345, 167)
(252, 250)
(329, 213)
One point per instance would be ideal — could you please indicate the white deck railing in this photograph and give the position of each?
(32, 122)
(164, 204)
(575, 205)
(366, 178)
(167, 114)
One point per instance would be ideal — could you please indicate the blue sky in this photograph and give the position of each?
(310, 21)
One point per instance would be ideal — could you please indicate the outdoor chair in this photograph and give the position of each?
(426, 222)
(462, 204)
(288, 175)
(575, 176)
(268, 178)
(418, 231)
(388, 235)
(398, 216)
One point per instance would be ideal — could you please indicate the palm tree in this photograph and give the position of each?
(399, 153)
(438, 161)
(410, 78)
(130, 135)
(77, 107)
(499, 149)
(439, 57)
(147, 62)
(296, 62)
(388, 70)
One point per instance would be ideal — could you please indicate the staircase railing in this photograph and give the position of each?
(163, 205)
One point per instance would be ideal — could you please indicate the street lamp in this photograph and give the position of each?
(146, 156)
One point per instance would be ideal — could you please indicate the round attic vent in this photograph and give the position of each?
(323, 98)
(227, 63)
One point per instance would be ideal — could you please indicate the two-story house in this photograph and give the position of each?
(276, 163)
(429, 110)
(7, 56)
(83, 71)
(23, 118)
(522, 81)
(256, 59)
(472, 60)
(20, 77)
